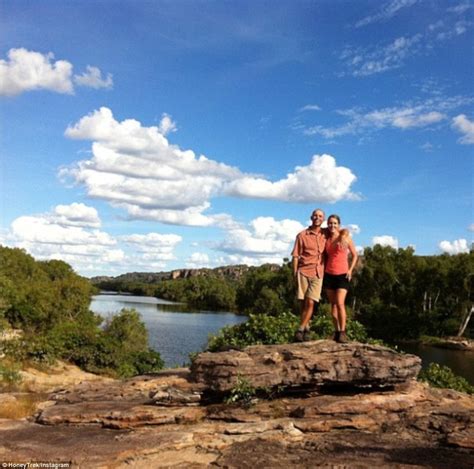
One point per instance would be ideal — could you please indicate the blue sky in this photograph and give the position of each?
(148, 136)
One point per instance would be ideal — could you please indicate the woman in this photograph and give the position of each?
(338, 274)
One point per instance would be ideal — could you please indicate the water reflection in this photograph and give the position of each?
(461, 362)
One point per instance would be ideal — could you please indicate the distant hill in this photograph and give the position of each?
(232, 272)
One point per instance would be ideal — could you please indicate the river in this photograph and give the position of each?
(461, 362)
(174, 330)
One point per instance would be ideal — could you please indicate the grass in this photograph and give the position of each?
(23, 406)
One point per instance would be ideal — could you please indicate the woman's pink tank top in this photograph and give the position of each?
(337, 262)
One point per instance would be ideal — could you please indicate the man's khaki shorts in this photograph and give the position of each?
(309, 287)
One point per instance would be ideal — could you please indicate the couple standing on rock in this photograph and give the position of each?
(322, 253)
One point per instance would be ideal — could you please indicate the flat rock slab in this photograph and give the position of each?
(307, 364)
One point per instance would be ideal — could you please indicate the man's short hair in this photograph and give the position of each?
(317, 210)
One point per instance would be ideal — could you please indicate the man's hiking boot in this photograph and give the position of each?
(343, 338)
(299, 336)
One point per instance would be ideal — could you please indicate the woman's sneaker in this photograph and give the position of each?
(335, 336)
(299, 336)
(306, 336)
(343, 338)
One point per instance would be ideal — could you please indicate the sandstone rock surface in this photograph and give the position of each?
(167, 421)
(308, 364)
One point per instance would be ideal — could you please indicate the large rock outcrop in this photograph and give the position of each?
(307, 364)
(169, 420)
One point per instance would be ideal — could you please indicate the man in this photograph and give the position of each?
(308, 270)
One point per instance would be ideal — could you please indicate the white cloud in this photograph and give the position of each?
(154, 246)
(198, 260)
(353, 229)
(137, 169)
(471, 227)
(167, 125)
(40, 229)
(265, 240)
(462, 124)
(455, 247)
(93, 79)
(385, 240)
(310, 107)
(27, 70)
(407, 116)
(461, 8)
(386, 12)
(76, 214)
(369, 61)
(322, 180)
(69, 233)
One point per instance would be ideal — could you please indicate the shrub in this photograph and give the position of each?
(243, 392)
(441, 376)
(258, 329)
(265, 329)
(9, 375)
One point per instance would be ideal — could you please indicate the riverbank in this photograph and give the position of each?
(451, 343)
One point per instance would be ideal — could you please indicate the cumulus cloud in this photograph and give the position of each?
(322, 180)
(353, 229)
(154, 246)
(69, 233)
(135, 168)
(387, 11)
(60, 234)
(76, 214)
(198, 260)
(462, 124)
(457, 246)
(263, 240)
(385, 240)
(92, 78)
(26, 70)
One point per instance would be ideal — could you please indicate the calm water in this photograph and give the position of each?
(173, 330)
(462, 363)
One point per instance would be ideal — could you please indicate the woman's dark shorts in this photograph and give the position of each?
(334, 282)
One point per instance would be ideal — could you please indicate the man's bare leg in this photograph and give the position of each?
(306, 312)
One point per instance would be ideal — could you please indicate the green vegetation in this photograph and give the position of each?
(49, 302)
(395, 294)
(205, 292)
(243, 392)
(398, 295)
(443, 377)
(279, 329)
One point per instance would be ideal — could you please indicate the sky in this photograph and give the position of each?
(156, 135)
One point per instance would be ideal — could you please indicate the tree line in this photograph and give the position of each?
(395, 294)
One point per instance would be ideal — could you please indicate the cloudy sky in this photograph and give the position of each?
(155, 135)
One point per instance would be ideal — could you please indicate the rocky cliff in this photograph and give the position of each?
(233, 272)
(316, 404)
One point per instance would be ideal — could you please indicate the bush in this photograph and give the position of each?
(265, 329)
(9, 376)
(258, 329)
(443, 377)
